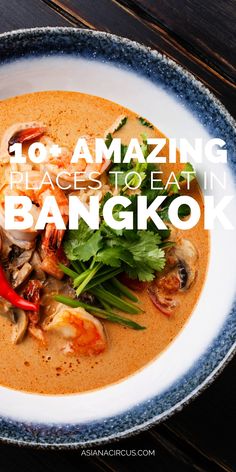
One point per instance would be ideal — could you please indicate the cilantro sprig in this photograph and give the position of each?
(136, 253)
(144, 122)
(121, 124)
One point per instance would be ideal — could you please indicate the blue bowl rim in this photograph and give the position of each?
(224, 344)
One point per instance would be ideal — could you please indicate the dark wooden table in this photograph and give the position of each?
(200, 35)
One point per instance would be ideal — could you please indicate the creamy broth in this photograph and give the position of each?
(32, 367)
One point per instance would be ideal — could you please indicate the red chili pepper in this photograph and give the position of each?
(7, 292)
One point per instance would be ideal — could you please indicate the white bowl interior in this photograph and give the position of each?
(175, 120)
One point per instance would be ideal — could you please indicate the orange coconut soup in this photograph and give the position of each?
(64, 349)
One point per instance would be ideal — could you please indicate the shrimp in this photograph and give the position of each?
(60, 167)
(19, 133)
(85, 334)
(51, 250)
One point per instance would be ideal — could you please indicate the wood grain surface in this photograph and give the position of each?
(199, 35)
(130, 19)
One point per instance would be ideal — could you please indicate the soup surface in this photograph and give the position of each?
(34, 367)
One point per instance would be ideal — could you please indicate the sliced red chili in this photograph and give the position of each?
(9, 294)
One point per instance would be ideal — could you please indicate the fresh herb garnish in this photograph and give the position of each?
(136, 253)
(145, 122)
(123, 121)
(83, 243)
(98, 256)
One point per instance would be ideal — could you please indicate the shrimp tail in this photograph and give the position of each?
(52, 237)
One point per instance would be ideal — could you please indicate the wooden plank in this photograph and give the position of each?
(206, 27)
(114, 17)
(33, 460)
(166, 458)
(28, 14)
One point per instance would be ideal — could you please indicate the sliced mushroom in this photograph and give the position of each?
(37, 333)
(5, 249)
(6, 310)
(183, 274)
(20, 276)
(20, 327)
(17, 237)
(187, 256)
(19, 257)
(36, 264)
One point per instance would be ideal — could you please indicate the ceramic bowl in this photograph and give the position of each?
(155, 87)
